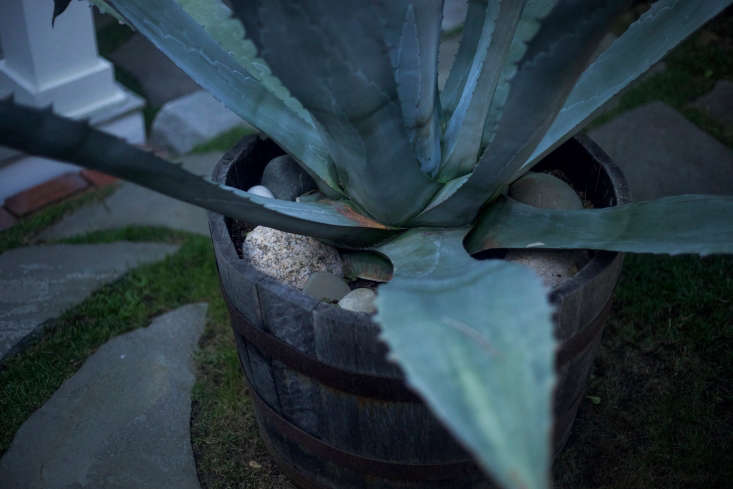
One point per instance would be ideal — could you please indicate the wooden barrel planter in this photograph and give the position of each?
(333, 411)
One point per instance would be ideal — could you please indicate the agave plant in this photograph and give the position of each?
(349, 89)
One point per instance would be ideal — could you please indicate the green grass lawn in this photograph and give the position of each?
(663, 380)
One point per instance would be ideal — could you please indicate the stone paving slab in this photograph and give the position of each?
(160, 78)
(662, 153)
(122, 421)
(190, 120)
(718, 103)
(38, 283)
(132, 205)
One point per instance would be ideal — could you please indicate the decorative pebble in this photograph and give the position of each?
(326, 286)
(359, 300)
(262, 191)
(291, 258)
(545, 191)
(286, 179)
(548, 192)
(553, 266)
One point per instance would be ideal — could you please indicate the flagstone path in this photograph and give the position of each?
(122, 421)
(132, 205)
(662, 153)
(40, 282)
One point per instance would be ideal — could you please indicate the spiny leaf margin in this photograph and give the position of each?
(475, 340)
(37, 132)
(186, 42)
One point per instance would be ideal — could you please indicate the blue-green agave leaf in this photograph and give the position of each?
(475, 340)
(472, 29)
(351, 93)
(412, 34)
(42, 133)
(681, 224)
(555, 40)
(105, 8)
(644, 43)
(462, 139)
(216, 18)
(188, 44)
(528, 27)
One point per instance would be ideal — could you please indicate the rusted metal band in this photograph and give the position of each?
(364, 385)
(578, 343)
(365, 465)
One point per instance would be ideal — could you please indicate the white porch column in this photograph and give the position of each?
(60, 66)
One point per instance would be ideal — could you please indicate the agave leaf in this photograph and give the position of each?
(105, 8)
(42, 133)
(644, 43)
(472, 29)
(552, 47)
(216, 18)
(188, 44)
(412, 33)
(527, 29)
(351, 93)
(59, 6)
(680, 224)
(475, 340)
(367, 265)
(466, 125)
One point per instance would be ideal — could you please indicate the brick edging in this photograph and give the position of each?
(54, 190)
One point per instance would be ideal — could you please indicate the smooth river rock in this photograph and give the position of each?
(290, 258)
(262, 191)
(553, 266)
(359, 300)
(286, 179)
(545, 191)
(326, 286)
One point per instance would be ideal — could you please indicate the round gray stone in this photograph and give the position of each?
(286, 179)
(290, 258)
(359, 300)
(545, 191)
(326, 286)
(262, 191)
(553, 266)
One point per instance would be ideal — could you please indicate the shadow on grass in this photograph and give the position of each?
(663, 379)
